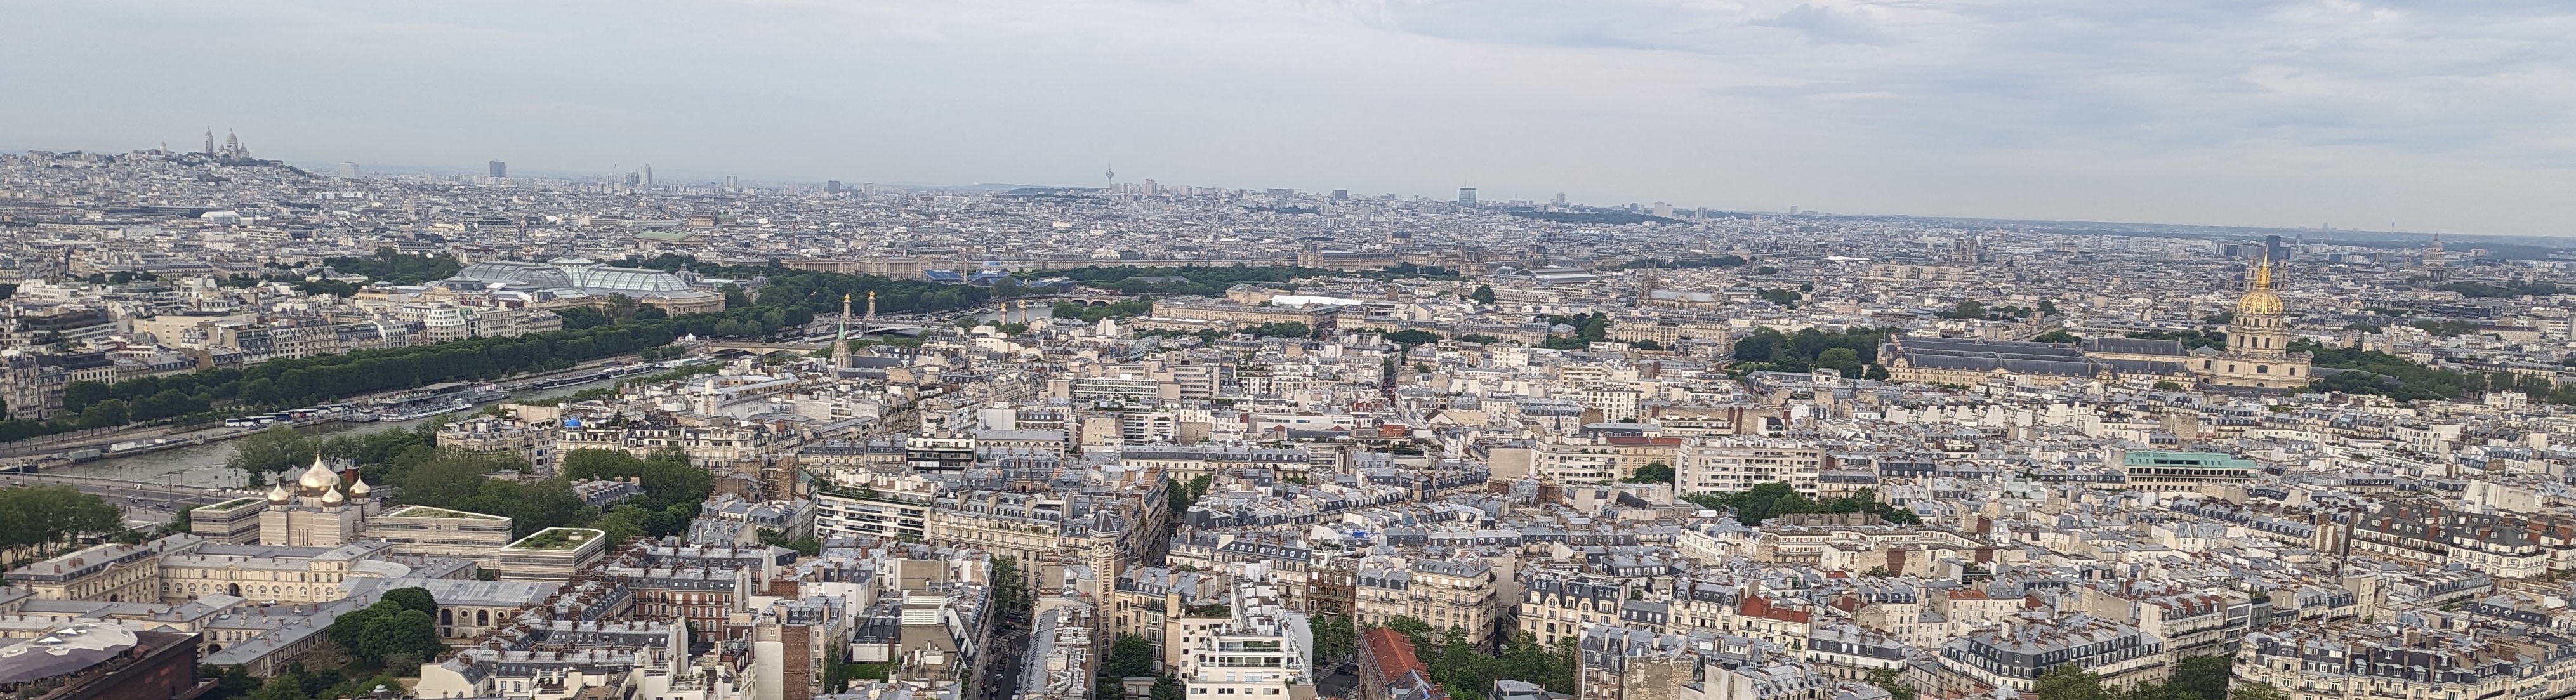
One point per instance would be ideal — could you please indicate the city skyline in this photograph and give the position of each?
(2276, 115)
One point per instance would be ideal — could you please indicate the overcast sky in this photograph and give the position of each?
(2437, 115)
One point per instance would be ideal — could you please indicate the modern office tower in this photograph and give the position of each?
(868, 189)
(349, 170)
(1152, 187)
(1560, 199)
(500, 168)
(634, 179)
(832, 186)
(648, 173)
(2273, 250)
(1341, 195)
(733, 183)
(1467, 196)
(1663, 210)
(1282, 192)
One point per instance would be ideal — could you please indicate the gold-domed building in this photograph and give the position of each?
(314, 512)
(2258, 343)
(2258, 352)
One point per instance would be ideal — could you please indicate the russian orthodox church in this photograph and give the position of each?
(316, 512)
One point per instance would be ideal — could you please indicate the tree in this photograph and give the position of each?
(1462, 670)
(667, 477)
(413, 598)
(447, 478)
(2070, 682)
(389, 627)
(78, 396)
(1412, 337)
(1129, 657)
(1010, 589)
(103, 414)
(2201, 676)
(276, 449)
(1844, 360)
(43, 516)
(734, 298)
(1970, 309)
(1414, 630)
(620, 307)
(1168, 688)
(403, 632)
(1652, 473)
(1564, 664)
(2258, 691)
(1484, 294)
(2058, 337)
(1525, 659)
(2168, 385)
(624, 522)
(1886, 679)
(2047, 307)
(1333, 635)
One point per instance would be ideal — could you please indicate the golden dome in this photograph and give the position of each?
(277, 493)
(2260, 300)
(332, 497)
(318, 477)
(358, 488)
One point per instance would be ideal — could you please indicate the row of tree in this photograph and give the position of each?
(2193, 678)
(40, 520)
(1766, 501)
(2383, 374)
(308, 380)
(1467, 671)
(1854, 353)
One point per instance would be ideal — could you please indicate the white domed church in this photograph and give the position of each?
(316, 512)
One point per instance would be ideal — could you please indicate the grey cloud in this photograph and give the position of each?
(1827, 25)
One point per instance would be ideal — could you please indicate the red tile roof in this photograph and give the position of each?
(1393, 654)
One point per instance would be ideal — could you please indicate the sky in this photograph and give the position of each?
(2452, 115)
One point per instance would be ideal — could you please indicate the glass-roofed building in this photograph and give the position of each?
(581, 280)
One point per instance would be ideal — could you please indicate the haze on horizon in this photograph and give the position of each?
(2457, 117)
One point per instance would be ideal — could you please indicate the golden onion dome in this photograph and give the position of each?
(2260, 300)
(277, 493)
(318, 477)
(332, 497)
(359, 489)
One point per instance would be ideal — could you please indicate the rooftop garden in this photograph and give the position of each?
(557, 538)
(429, 512)
(231, 504)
